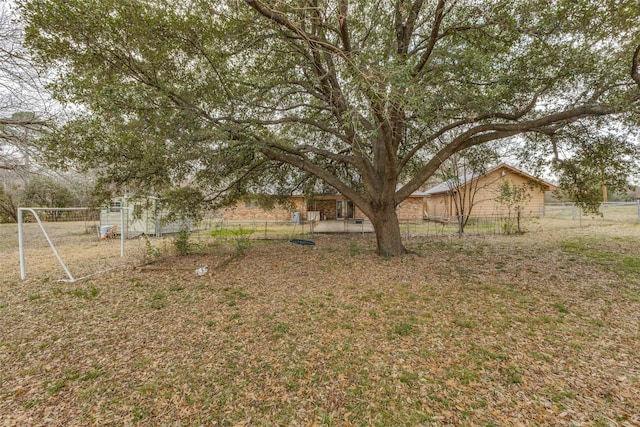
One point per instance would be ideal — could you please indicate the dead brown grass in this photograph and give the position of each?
(539, 329)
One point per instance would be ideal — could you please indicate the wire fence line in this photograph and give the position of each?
(553, 216)
(75, 234)
(610, 211)
(84, 225)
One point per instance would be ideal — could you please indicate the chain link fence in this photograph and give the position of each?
(611, 211)
(76, 234)
(552, 216)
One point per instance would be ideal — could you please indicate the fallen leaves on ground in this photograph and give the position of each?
(486, 330)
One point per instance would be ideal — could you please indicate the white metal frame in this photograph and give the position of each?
(23, 274)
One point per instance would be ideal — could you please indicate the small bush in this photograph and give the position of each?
(181, 242)
(241, 246)
(151, 252)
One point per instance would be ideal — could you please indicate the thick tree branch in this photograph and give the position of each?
(299, 161)
(433, 38)
(282, 20)
(447, 151)
(343, 13)
(330, 87)
(516, 115)
(329, 90)
(405, 28)
(491, 132)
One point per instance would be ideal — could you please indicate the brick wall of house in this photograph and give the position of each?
(248, 211)
(411, 208)
(242, 212)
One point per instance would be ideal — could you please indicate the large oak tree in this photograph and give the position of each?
(367, 97)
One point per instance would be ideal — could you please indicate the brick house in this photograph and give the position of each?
(319, 207)
(439, 200)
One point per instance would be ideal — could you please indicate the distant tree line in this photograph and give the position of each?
(40, 191)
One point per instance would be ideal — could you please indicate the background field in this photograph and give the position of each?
(534, 329)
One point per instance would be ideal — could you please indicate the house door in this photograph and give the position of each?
(344, 209)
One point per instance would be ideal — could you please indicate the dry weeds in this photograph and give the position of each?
(540, 329)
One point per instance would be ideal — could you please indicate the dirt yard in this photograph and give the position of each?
(537, 329)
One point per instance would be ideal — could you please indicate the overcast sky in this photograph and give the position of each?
(21, 84)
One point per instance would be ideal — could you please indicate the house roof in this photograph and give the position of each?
(449, 185)
(443, 187)
(418, 194)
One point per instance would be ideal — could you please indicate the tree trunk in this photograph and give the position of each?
(387, 227)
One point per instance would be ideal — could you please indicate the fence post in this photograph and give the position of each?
(122, 230)
(580, 208)
(23, 274)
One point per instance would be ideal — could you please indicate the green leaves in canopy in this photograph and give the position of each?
(598, 163)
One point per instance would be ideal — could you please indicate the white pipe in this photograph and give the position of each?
(23, 274)
(46, 235)
(122, 230)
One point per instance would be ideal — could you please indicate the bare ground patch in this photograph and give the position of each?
(540, 329)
